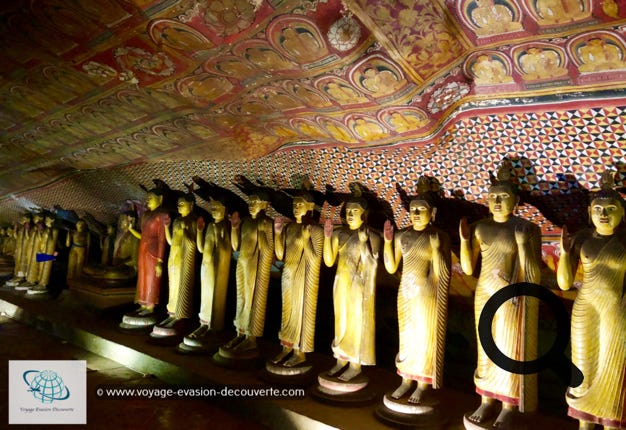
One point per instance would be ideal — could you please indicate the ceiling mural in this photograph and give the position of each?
(99, 84)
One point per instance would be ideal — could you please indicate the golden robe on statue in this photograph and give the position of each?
(599, 331)
(354, 298)
(300, 284)
(514, 327)
(422, 306)
(256, 253)
(214, 274)
(181, 266)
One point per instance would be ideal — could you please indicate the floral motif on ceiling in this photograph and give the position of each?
(91, 84)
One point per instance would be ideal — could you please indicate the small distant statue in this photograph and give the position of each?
(78, 241)
(181, 268)
(22, 229)
(45, 253)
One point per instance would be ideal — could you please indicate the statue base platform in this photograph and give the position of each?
(203, 341)
(300, 375)
(331, 389)
(37, 290)
(101, 293)
(408, 421)
(24, 286)
(517, 421)
(13, 282)
(400, 413)
(241, 360)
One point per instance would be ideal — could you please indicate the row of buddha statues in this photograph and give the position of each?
(507, 246)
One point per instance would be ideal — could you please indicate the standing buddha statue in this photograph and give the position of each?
(598, 330)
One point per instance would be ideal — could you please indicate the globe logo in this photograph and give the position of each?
(46, 385)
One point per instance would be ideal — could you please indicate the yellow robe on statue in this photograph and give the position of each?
(514, 327)
(299, 286)
(422, 306)
(354, 296)
(256, 252)
(181, 266)
(214, 274)
(599, 333)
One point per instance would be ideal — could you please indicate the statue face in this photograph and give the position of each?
(606, 213)
(184, 207)
(217, 209)
(420, 214)
(49, 221)
(256, 205)
(110, 229)
(153, 201)
(301, 207)
(80, 225)
(37, 219)
(354, 215)
(501, 200)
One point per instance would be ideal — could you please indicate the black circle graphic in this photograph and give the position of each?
(554, 359)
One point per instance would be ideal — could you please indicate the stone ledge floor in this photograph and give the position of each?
(63, 328)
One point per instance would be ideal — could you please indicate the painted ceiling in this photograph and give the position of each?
(109, 83)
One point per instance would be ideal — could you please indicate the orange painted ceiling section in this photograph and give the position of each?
(86, 84)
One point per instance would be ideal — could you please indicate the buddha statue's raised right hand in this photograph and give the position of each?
(464, 230)
(388, 231)
(235, 221)
(328, 228)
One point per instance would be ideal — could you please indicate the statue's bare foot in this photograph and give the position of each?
(296, 358)
(247, 344)
(504, 419)
(417, 395)
(200, 332)
(168, 322)
(402, 389)
(144, 311)
(483, 413)
(350, 373)
(337, 367)
(233, 342)
(281, 356)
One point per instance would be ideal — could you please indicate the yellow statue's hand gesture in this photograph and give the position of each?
(435, 242)
(566, 241)
(278, 225)
(306, 232)
(521, 234)
(235, 221)
(388, 231)
(158, 269)
(363, 235)
(464, 230)
(328, 229)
